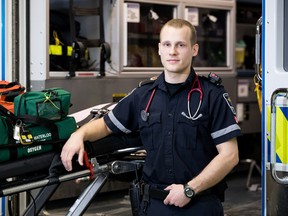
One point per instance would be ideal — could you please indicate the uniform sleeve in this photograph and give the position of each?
(224, 124)
(123, 117)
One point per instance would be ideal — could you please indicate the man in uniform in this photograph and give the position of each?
(187, 125)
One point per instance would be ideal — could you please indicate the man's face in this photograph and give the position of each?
(175, 49)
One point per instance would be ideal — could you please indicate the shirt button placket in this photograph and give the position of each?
(169, 142)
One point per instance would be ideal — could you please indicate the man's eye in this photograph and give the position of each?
(181, 45)
(166, 44)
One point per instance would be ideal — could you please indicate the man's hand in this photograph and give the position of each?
(176, 196)
(92, 131)
(74, 145)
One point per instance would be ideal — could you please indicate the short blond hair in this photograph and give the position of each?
(179, 23)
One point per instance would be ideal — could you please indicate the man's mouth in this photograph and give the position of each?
(172, 60)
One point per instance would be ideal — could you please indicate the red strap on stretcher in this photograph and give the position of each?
(88, 165)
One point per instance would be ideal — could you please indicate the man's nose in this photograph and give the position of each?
(173, 50)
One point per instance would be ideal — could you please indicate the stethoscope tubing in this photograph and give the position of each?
(193, 89)
(145, 113)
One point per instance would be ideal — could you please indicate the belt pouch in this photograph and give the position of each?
(134, 194)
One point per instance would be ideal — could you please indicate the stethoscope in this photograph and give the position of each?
(196, 87)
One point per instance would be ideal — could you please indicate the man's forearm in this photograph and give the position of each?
(217, 169)
(94, 130)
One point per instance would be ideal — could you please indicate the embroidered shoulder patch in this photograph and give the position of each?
(147, 81)
(229, 102)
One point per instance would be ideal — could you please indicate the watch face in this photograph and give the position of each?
(189, 192)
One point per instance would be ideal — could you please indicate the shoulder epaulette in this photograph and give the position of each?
(147, 81)
(214, 78)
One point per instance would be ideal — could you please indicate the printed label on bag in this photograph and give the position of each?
(34, 149)
(42, 137)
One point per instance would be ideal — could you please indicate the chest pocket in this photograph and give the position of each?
(188, 130)
(150, 131)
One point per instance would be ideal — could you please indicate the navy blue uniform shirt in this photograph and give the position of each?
(177, 148)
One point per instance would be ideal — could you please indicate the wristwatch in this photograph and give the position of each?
(188, 191)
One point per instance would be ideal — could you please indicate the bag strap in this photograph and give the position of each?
(13, 148)
(11, 94)
(42, 122)
(99, 112)
(17, 112)
(9, 125)
(9, 85)
(7, 113)
(55, 143)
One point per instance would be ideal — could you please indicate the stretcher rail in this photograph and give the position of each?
(115, 167)
(46, 182)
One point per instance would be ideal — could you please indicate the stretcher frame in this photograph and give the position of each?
(99, 174)
(49, 186)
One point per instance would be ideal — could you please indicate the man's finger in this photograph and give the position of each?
(67, 163)
(80, 157)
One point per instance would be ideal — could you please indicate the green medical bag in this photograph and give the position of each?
(40, 124)
(42, 140)
(53, 103)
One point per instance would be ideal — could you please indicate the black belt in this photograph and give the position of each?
(156, 193)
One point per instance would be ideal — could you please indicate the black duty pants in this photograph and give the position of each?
(208, 205)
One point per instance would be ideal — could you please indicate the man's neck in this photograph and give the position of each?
(175, 78)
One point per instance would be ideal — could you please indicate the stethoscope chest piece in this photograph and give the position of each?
(144, 115)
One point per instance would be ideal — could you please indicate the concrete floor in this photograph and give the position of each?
(239, 200)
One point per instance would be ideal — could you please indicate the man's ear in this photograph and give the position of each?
(195, 49)
(159, 49)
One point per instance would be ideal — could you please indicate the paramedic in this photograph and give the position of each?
(187, 125)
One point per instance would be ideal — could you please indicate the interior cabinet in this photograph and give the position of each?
(214, 23)
(132, 30)
(247, 15)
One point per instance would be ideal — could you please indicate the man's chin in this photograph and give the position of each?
(174, 69)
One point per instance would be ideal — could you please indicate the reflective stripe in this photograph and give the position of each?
(225, 131)
(117, 123)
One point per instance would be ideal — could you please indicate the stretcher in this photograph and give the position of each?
(109, 157)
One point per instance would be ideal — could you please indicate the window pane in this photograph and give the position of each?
(211, 25)
(143, 33)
